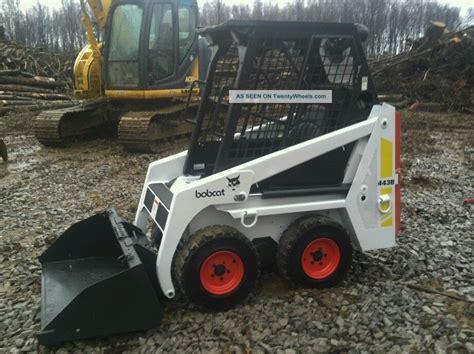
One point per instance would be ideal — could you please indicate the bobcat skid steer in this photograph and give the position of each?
(269, 176)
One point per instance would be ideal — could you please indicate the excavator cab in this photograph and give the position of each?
(150, 45)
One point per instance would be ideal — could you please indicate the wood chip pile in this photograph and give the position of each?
(32, 79)
(436, 74)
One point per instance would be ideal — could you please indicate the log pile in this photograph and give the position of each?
(436, 74)
(32, 79)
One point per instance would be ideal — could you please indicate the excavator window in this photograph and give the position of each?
(161, 45)
(124, 45)
(187, 30)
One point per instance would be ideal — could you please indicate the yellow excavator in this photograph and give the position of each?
(148, 63)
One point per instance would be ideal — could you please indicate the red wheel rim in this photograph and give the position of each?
(320, 258)
(222, 272)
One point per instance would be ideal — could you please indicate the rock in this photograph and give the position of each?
(428, 310)
(283, 321)
(207, 326)
(158, 338)
(451, 321)
(378, 335)
(455, 345)
(298, 299)
(19, 342)
(265, 346)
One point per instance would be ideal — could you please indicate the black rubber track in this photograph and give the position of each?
(295, 239)
(189, 258)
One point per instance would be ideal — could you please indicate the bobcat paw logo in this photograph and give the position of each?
(233, 182)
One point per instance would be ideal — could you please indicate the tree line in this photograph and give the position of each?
(392, 23)
(57, 30)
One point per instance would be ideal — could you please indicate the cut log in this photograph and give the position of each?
(24, 88)
(400, 105)
(11, 80)
(58, 104)
(391, 98)
(426, 107)
(456, 40)
(51, 96)
(9, 103)
(433, 33)
(10, 72)
(435, 30)
(39, 96)
(14, 97)
(16, 72)
(37, 107)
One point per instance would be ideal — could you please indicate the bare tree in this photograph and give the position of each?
(393, 24)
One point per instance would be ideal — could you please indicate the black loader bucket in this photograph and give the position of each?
(99, 278)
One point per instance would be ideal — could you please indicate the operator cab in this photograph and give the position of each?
(150, 44)
(248, 56)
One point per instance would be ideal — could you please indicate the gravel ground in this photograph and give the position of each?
(416, 297)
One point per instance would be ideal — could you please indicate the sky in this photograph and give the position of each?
(463, 4)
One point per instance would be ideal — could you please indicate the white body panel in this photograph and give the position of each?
(367, 211)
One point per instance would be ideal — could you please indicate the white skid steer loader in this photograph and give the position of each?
(297, 182)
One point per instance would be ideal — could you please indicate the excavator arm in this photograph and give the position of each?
(87, 69)
(100, 8)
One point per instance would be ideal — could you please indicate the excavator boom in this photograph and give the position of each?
(100, 8)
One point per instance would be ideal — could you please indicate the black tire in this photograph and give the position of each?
(313, 231)
(190, 272)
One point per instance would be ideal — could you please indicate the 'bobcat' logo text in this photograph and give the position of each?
(233, 182)
(208, 194)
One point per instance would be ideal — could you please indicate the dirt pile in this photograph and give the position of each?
(33, 79)
(436, 74)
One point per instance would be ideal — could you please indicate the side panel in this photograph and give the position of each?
(163, 171)
(371, 202)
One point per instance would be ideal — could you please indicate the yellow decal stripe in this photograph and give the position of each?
(386, 171)
(388, 222)
(386, 158)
